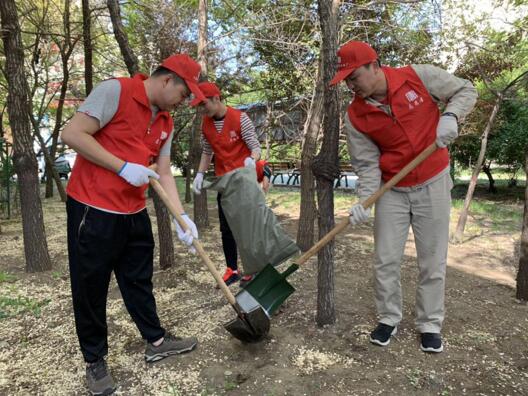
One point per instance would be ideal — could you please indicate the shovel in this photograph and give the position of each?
(269, 289)
(251, 324)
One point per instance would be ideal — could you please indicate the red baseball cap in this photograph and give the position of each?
(350, 56)
(209, 89)
(186, 68)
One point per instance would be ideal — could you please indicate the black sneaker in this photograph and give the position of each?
(431, 342)
(382, 334)
(98, 379)
(170, 346)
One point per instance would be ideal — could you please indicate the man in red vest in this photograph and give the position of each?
(392, 118)
(229, 134)
(123, 127)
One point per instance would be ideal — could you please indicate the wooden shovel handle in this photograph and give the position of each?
(368, 202)
(196, 243)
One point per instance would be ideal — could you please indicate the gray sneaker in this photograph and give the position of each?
(99, 380)
(170, 346)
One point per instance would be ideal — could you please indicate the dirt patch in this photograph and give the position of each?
(485, 332)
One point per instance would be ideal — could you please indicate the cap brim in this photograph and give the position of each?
(195, 102)
(198, 94)
(340, 76)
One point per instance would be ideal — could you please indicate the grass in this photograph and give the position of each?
(14, 306)
(6, 277)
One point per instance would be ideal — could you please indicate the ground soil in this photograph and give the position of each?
(485, 331)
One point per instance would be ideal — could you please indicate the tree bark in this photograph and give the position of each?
(66, 49)
(308, 210)
(457, 237)
(130, 58)
(162, 215)
(35, 244)
(522, 275)
(201, 213)
(88, 48)
(326, 164)
(486, 168)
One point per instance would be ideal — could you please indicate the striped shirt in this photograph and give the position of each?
(248, 135)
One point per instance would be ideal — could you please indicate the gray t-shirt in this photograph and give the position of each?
(102, 104)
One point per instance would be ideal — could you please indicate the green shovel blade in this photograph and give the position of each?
(270, 288)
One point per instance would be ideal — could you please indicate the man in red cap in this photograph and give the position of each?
(392, 118)
(230, 135)
(123, 126)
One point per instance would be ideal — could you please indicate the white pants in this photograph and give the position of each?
(427, 210)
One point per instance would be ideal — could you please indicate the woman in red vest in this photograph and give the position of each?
(229, 135)
(392, 118)
(123, 126)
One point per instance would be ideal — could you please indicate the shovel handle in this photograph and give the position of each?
(368, 202)
(196, 243)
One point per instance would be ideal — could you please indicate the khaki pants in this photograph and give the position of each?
(426, 209)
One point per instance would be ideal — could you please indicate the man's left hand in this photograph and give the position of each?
(188, 236)
(249, 162)
(446, 131)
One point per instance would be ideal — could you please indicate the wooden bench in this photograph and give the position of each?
(281, 169)
(345, 170)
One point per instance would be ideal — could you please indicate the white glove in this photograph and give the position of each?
(186, 236)
(137, 174)
(249, 163)
(197, 183)
(446, 131)
(358, 214)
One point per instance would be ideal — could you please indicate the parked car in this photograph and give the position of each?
(62, 165)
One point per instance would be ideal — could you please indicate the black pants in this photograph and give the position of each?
(99, 243)
(228, 241)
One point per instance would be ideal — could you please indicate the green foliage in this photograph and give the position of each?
(6, 277)
(14, 306)
(509, 143)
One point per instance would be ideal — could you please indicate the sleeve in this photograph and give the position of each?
(458, 94)
(165, 150)
(206, 147)
(364, 155)
(249, 135)
(103, 101)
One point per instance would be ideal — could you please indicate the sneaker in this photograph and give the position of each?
(230, 276)
(431, 342)
(382, 334)
(170, 346)
(245, 280)
(98, 379)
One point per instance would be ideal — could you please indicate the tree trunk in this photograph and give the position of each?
(66, 49)
(457, 237)
(35, 245)
(486, 168)
(325, 165)
(88, 48)
(201, 214)
(162, 215)
(308, 210)
(522, 275)
(130, 58)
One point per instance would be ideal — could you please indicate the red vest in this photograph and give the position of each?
(229, 148)
(129, 137)
(408, 132)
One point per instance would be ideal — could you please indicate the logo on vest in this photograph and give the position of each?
(164, 135)
(414, 99)
(233, 136)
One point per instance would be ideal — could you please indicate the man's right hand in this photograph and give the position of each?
(197, 183)
(137, 174)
